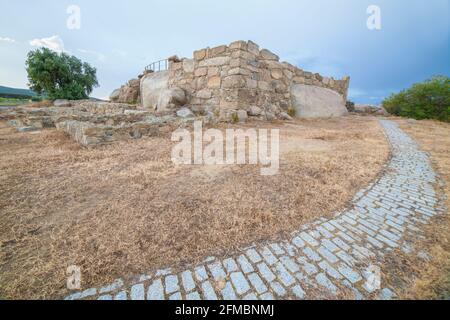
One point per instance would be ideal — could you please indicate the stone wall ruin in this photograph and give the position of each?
(227, 80)
(225, 83)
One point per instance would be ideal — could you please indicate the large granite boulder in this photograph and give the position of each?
(156, 94)
(152, 87)
(172, 97)
(316, 102)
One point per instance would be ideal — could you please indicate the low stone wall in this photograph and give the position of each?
(26, 118)
(316, 102)
(240, 76)
(88, 133)
(92, 123)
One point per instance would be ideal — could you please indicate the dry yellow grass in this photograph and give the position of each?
(428, 279)
(124, 209)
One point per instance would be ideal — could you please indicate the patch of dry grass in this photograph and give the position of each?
(428, 278)
(125, 209)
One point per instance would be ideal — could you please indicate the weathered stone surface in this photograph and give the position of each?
(61, 103)
(269, 115)
(299, 80)
(242, 115)
(199, 72)
(317, 102)
(174, 66)
(284, 116)
(152, 87)
(114, 96)
(234, 81)
(217, 51)
(213, 71)
(277, 74)
(88, 133)
(267, 55)
(185, 113)
(171, 97)
(200, 54)
(204, 94)
(239, 45)
(239, 71)
(254, 111)
(145, 72)
(265, 86)
(134, 82)
(128, 93)
(288, 74)
(253, 47)
(245, 55)
(214, 82)
(252, 84)
(279, 86)
(214, 62)
(238, 62)
(188, 65)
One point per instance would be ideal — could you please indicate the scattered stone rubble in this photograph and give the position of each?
(371, 110)
(90, 122)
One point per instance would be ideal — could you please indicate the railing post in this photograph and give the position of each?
(158, 66)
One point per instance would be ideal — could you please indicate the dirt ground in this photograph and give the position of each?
(124, 209)
(427, 278)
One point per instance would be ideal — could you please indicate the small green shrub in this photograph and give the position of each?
(59, 75)
(427, 100)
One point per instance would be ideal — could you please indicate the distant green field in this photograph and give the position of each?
(12, 102)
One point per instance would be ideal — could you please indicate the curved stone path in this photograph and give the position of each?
(323, 259)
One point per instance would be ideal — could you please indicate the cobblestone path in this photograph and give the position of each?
(323, 259)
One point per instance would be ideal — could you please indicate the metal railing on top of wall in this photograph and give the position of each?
(161, 65)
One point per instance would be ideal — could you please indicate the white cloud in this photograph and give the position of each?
(6, 39)
(100, 56)
(54, 43)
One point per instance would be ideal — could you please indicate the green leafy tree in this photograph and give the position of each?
(60, 76)
(427, 100)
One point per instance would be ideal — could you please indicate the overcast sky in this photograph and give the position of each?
(331, 37)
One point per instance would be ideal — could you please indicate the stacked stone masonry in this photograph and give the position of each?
(240, 76)
(92, 123)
